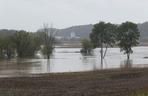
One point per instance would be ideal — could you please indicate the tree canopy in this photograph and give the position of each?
(103, 35)
(25, 43)
(86, 47)
(128, 37)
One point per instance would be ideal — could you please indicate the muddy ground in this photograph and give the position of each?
(119, 82)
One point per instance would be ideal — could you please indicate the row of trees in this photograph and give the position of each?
(24, 44)
(106, 35)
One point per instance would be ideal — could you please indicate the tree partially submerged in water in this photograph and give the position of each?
(103, 35)
(128, 37)
(7, 48)
(49, 41)
(86, 47)
(26, 44)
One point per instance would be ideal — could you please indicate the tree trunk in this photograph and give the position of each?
(128, 56)
(48, 56)
(105, 51)
(128, 59)
(101, 56)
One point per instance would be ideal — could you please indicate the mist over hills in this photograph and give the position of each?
(143, 28)
(81, 31)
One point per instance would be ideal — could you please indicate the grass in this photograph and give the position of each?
(142, 93)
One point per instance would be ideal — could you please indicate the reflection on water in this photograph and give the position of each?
(126, 64)
(70, 60)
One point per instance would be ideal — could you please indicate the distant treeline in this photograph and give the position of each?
(23, 44)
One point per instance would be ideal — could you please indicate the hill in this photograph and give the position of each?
(81, 31)
(143, 28)
(6, 32)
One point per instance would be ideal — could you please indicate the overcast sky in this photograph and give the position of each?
(31, 14)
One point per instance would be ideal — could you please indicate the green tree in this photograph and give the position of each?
(7, 49)
(86, 47)
(25, 44)
(128, 37)
(103, 35)
(35, 43)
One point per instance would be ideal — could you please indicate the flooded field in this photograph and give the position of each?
(71, 60)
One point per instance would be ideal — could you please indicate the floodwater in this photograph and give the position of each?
(71, 60)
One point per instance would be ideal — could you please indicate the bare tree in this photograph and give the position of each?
(49, 40)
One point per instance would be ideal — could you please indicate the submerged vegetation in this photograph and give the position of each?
(24, 44)
(49, 41)
(128, 37)
(103, 35)
(86, 47)
(125, 36)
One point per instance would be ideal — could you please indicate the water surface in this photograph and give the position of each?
(70, 60)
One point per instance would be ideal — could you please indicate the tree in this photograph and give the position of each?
(49, 40)
(86, 47)
(128, 37)
(103, 35)
(7, 49)
(25, 44)
(35, 43)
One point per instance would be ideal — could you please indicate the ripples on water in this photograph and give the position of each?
(70, 60)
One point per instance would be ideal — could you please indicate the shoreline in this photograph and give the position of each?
(115, 82)
(110, 70)
(99, 71)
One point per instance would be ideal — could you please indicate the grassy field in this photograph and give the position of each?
(121, 82)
